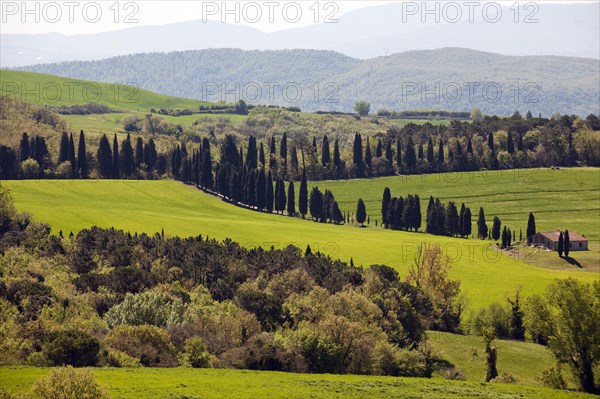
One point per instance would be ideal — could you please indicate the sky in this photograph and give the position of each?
(71, 17)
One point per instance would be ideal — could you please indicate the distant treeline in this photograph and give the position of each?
(426, 114)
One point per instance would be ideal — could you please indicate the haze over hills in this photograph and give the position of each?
(450, 79)
(567, 30)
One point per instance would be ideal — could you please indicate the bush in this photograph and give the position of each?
(455, 374)
(506, 378)
(38, 359)
(149, 344)
(147, 308)
(68, 383)
(196, 354)
(73, 348)
(553, 378)
(121, 359)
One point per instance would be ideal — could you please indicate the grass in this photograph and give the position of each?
(149, 206)
(241, 384)
(568, 198)
(53, 90)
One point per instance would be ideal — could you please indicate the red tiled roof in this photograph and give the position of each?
(553, 236)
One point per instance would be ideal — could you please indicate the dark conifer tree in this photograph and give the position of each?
(24, 150)
(482, 229)
(9, 165)
(368, 156)
(251, 156)
(410, 159)
(461, 216)
(389, 153)
(63, 153)
(261, 156)
(452, 219)
(316, 204)
(272, 153)
(440, 158)
(115, 161)
(520, 146)
(104, 156)
(303, 195)
(361, 212)
(72, 157)
(229, 153)
(358, 154)
(82, 165)
(399, 155)
(469, 147)
(291, 200)
(139, 152)
(325, 155)
(206, 172)
(281, 198)
(521, 235)
(510, 146)
(128, 161)
(379, 150)
(241, 156)
(283, 150)
(466, 228)
(251, 188)
(567, 244)
(496, 228)
(530, 228)
(491, 142)
(504, 238)
(336, 154)
(151, 155)
(421, 153)
(385, 203)
(294, 161)
(40, 152)
(269, 197)
(430, 152)
(261, 186)
(416, 214)
(336, 214)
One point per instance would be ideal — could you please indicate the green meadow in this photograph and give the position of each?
(150, 206)
(148, 383)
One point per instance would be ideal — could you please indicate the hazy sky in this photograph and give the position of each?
(71, 17)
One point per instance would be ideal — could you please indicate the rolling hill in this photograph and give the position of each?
(451, 78)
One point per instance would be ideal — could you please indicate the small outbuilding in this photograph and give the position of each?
(549, 240)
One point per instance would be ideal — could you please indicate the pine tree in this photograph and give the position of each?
(529, 115)
(337, 161)
(115, 160)
(385, 203)
(496, 228)
(315, 204)
(63, 153)
(139, 152)
(128, 160)
(530, 228)
(379, 150)
(482, 229)
(561, 244)
(291, 200)
(567, 244)
(269, 197)
(25, 151)
(361, 212)
(82, 166)
(325, 155)
(104, 156)
(303, 195)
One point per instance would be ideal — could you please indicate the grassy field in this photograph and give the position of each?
(40, 89)
(149, 206)
(567, 198)
(238, 384)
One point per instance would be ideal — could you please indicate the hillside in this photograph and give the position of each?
(324, 80)
(184, 211)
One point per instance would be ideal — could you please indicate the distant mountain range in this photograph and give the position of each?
(450, 79)
(566, 30)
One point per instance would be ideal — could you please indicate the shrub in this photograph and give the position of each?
(455, 374)
(73, 348)
(68, 383)
(4, 394)
(506, 378)
(149, 344)
(196, 353)
(38, 359)
(121, 359)
(146, 308)
(553, 378)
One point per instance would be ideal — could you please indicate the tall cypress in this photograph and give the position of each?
(283, 149)
(25, 151)
(368, 156)
(389, 154)
(281, 197)
(72, 157)
(361, 212)
(206, 173)
(510, 147)
(315, 204)
(63, 153)
(303, 196)
(294, 161)
(482, 229)
(325, 155)
(115, 160)
(567, 247)
(441, 153)
(82, 165)
(561, 244)
(261, 155)
(139, 152)
(491, 142)
(399, 155)
(151, 155)
(430, 152)
(105, 159)
(261, 186)
(496, 227)
(410, 158)
(128, 159)
(357, 157)
(291, 200)
(385, 203)
(336, 154)
(251, 160)
(379, 149)
(530, 228)
(269, 193)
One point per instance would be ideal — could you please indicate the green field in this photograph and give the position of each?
(568, 198)
(41, 89)
(237, 384)
(149, 206)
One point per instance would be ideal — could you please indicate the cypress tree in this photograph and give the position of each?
(467, 223)
(303, 195)
(399, 155)
(491, 142)
(269, 193)
(104, 156)
(496, 228)
(361, 212)
(567, 244)
(63, 153)
(520, 235)
(82, 165)
(261, 155)
(452, 219)
(510, 147)
(410, 160)
(357, 153)
(325, 155)
(385, 203)
(336, 214)
(115, 160)
(416, 213)
(291, 200)
(139, 152)
(72, 158)
(461, 217)
(40, 152)
(336, 154)
(379, 150)
(281, 198)
(272, 152)
(283, 150)
(261, 185)
(389, 154)
(520, 142)
(530, 228)
(294, 161)
(441, 153)
(151, 156)
(561, 244)
(251, 160)
(482, 229)
(251, 188)
(25, 151)
(469, 146)
(421, 152)
(368, 156)
(128, 160)
(315, 204)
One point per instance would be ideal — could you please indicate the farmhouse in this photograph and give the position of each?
(549, 240)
